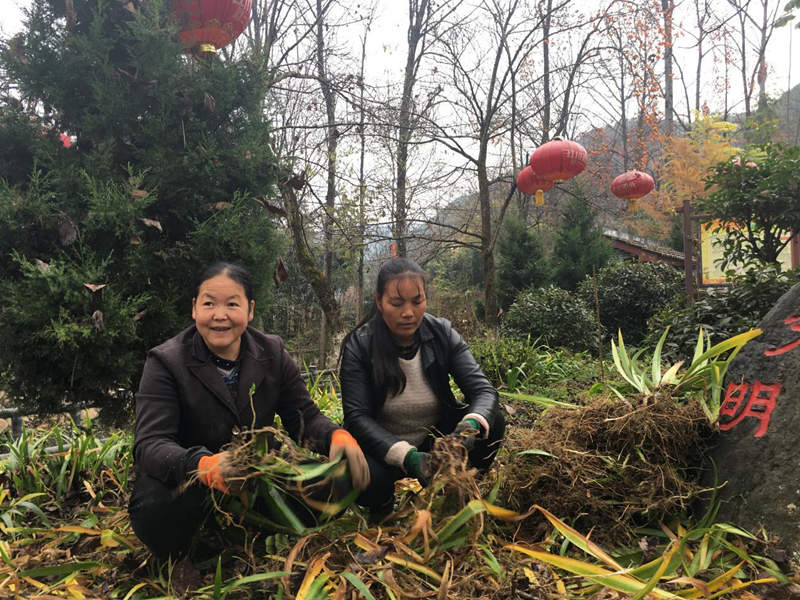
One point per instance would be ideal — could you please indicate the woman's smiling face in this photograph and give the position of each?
(221, 312)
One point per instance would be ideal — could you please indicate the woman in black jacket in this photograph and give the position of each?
(195, 390)
(395, 377)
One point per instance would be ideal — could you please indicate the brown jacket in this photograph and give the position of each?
(184, 410)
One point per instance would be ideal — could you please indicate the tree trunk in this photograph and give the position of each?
(546, 67)
(623, 114)
(667, 9)
(487, 248)
(417, 16)
(362, 186)
(330, 193)
(762, 62)
(316, 278)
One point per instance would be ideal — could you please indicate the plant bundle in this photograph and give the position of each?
(607, 464)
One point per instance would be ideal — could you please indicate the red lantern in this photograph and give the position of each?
(529, 182)
(206, 25)
(559, 160)
(631, 186)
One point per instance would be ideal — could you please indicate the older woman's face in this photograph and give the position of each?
(221, 313)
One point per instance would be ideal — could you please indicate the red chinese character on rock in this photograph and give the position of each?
(734, 396)
(760, 404)
(794, 322)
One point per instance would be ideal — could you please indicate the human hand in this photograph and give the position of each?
(466, 432)
(211, 469)
(344, 443)
(419, 465)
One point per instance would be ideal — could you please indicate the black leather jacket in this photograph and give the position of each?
(444, 353)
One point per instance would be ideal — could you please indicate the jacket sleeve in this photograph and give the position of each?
(156, 449)
(357, 403)
(301, 417)
(479, 393)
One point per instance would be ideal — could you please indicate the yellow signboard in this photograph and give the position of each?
(711, 254)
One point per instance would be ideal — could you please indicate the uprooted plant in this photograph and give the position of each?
(628, 457)
(701, 380)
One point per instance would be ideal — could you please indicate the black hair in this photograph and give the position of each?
(383, 353)
(239, 274)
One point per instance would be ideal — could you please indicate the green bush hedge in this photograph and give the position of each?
(722, 312)
(520, 365)
(552, 316)
(629, 293)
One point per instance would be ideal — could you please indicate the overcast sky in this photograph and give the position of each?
(388, 40)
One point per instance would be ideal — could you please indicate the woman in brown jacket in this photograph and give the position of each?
(195, 390)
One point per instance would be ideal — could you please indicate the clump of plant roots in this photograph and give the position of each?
(607, 464)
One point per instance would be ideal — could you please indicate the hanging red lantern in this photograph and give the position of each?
(559, 160)
(206, 25)
(631, 186)
(528, 182)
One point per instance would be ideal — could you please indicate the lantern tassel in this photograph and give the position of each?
(539, 198)
(633, 205)
(206, 50)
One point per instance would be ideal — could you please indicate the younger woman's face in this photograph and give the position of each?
(221, 313)
(402, 306)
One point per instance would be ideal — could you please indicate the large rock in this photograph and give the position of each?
(759, 450)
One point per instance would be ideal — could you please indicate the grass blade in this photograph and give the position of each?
(656, 363)
(474, 507)
(540, 400)
(616, 581)
(358, 584)
(653, 581)
(578, 539)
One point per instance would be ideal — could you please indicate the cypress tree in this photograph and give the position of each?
(167, 168)
(579, 245)
(521, 263)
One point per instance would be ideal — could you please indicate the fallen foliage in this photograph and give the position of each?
(455, 539)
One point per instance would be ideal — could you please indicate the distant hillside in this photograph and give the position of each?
(787, 109)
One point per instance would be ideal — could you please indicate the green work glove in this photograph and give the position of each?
(466, 432)
(419, 465)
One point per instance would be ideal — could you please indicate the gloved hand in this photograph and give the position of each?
(466, 432)
(419, 465)
(344, 443)
(210, 471)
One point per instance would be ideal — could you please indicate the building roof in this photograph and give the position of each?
(643, 248)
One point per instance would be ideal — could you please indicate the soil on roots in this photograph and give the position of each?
(606, 464)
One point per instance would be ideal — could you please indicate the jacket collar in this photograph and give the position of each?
(251, 371)
(425, 331)
(426, 342)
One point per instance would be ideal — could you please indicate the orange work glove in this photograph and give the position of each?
(209, 471)
(344, 443)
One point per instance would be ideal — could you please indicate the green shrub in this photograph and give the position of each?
(522, 365)
(169, 171)
(553, 317)
(578, 245)
(722, 312)
(521, 262)
(629, 293)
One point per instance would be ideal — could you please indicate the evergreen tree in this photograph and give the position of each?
(167, 168)
(579, 245)
(521, 262)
